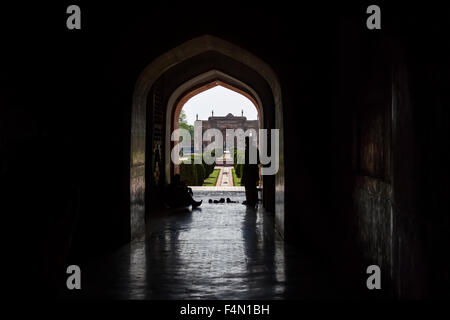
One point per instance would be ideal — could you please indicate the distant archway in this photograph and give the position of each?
(196, 86)
(145, 82)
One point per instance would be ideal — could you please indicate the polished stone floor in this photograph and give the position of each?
(218, 251)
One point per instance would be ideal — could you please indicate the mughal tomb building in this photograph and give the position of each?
(227, 122)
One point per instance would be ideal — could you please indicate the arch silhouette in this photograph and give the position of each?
(194, 87)
(144, 83)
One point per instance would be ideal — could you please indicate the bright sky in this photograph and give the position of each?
(222, 101)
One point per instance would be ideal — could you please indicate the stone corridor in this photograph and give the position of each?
(218, 251)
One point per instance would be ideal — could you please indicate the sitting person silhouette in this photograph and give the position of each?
(178, 194)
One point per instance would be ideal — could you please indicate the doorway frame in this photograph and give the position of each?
(143, 85)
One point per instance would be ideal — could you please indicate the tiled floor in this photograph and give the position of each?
(219, 251)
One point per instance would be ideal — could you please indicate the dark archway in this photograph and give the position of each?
(162, 65)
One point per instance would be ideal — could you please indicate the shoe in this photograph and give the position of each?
(196, 204)
(230, 201)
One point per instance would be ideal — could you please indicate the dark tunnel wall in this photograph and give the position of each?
(389, 83)
(365, 116)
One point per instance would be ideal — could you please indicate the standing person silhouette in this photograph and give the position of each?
(250, 174)
(178, 194)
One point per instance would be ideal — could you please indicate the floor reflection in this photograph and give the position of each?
(221, 251)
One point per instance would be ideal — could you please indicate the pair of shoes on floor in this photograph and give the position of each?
(222, 200)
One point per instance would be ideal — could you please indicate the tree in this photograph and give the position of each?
(183, 124)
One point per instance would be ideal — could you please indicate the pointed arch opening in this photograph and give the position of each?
(162, 65)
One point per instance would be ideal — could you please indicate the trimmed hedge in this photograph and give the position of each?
(201, 176)
(238, 167)
(188, 174)
(236, 179)
(194, 174)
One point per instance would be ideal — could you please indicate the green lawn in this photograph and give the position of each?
(212, 179)
(236, 180)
